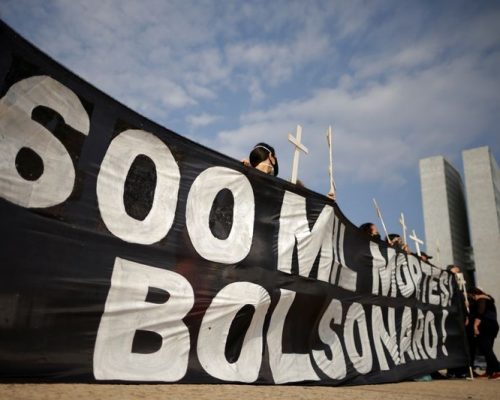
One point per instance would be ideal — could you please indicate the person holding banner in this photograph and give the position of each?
(469, 311)
(426, 258)
(371, 230)
(486, 330)
(263, 158)
(395, 241)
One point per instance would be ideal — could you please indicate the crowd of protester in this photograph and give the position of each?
(481, 324)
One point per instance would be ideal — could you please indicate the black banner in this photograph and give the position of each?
(130, 253)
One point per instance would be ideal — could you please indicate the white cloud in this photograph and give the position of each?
(201, 120)
(382, 130)
(255, 90)
(417, 56)
(397, 81)
(193, 52)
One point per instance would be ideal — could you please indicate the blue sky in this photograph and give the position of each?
(397, 80)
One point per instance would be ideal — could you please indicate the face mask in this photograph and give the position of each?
(271, 172)
(275, 168)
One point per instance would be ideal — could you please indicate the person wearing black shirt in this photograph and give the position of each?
(486, 330)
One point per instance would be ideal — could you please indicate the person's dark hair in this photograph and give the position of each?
(393, 236)
(260, 153)
(476, 290)
(366, 227)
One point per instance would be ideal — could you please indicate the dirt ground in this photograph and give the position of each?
(436, 390)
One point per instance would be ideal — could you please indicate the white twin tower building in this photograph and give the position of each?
(462, 224)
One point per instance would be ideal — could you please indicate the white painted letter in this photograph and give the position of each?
(382, 337)
(384, 273)
(18, 130)
(122, 152)
(406, 285)
(336, 367)
(362, 362)
(418, 333)
(405, 337)
(294, 228)
(286, 367)
(430, 335)
(199, 203)
(126, 311)
(444, 332)
(215, 328)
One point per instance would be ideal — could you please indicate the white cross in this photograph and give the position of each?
(379, 213)
(298, 147)
(403, 226)
(333, 188)
(417, 241)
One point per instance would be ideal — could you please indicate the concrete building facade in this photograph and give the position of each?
(465, 224)
(482, 182)
(445, 214)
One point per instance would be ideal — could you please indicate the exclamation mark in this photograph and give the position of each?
(443, 329)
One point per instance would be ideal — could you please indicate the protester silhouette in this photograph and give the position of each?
(263, 157)
(371, 230)
(485, 327)
(395, 241)
(463, 372)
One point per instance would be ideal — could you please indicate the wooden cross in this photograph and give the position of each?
(333, 188)
(379, 213)
(417, 241)
(298, 147)
(403, 226)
